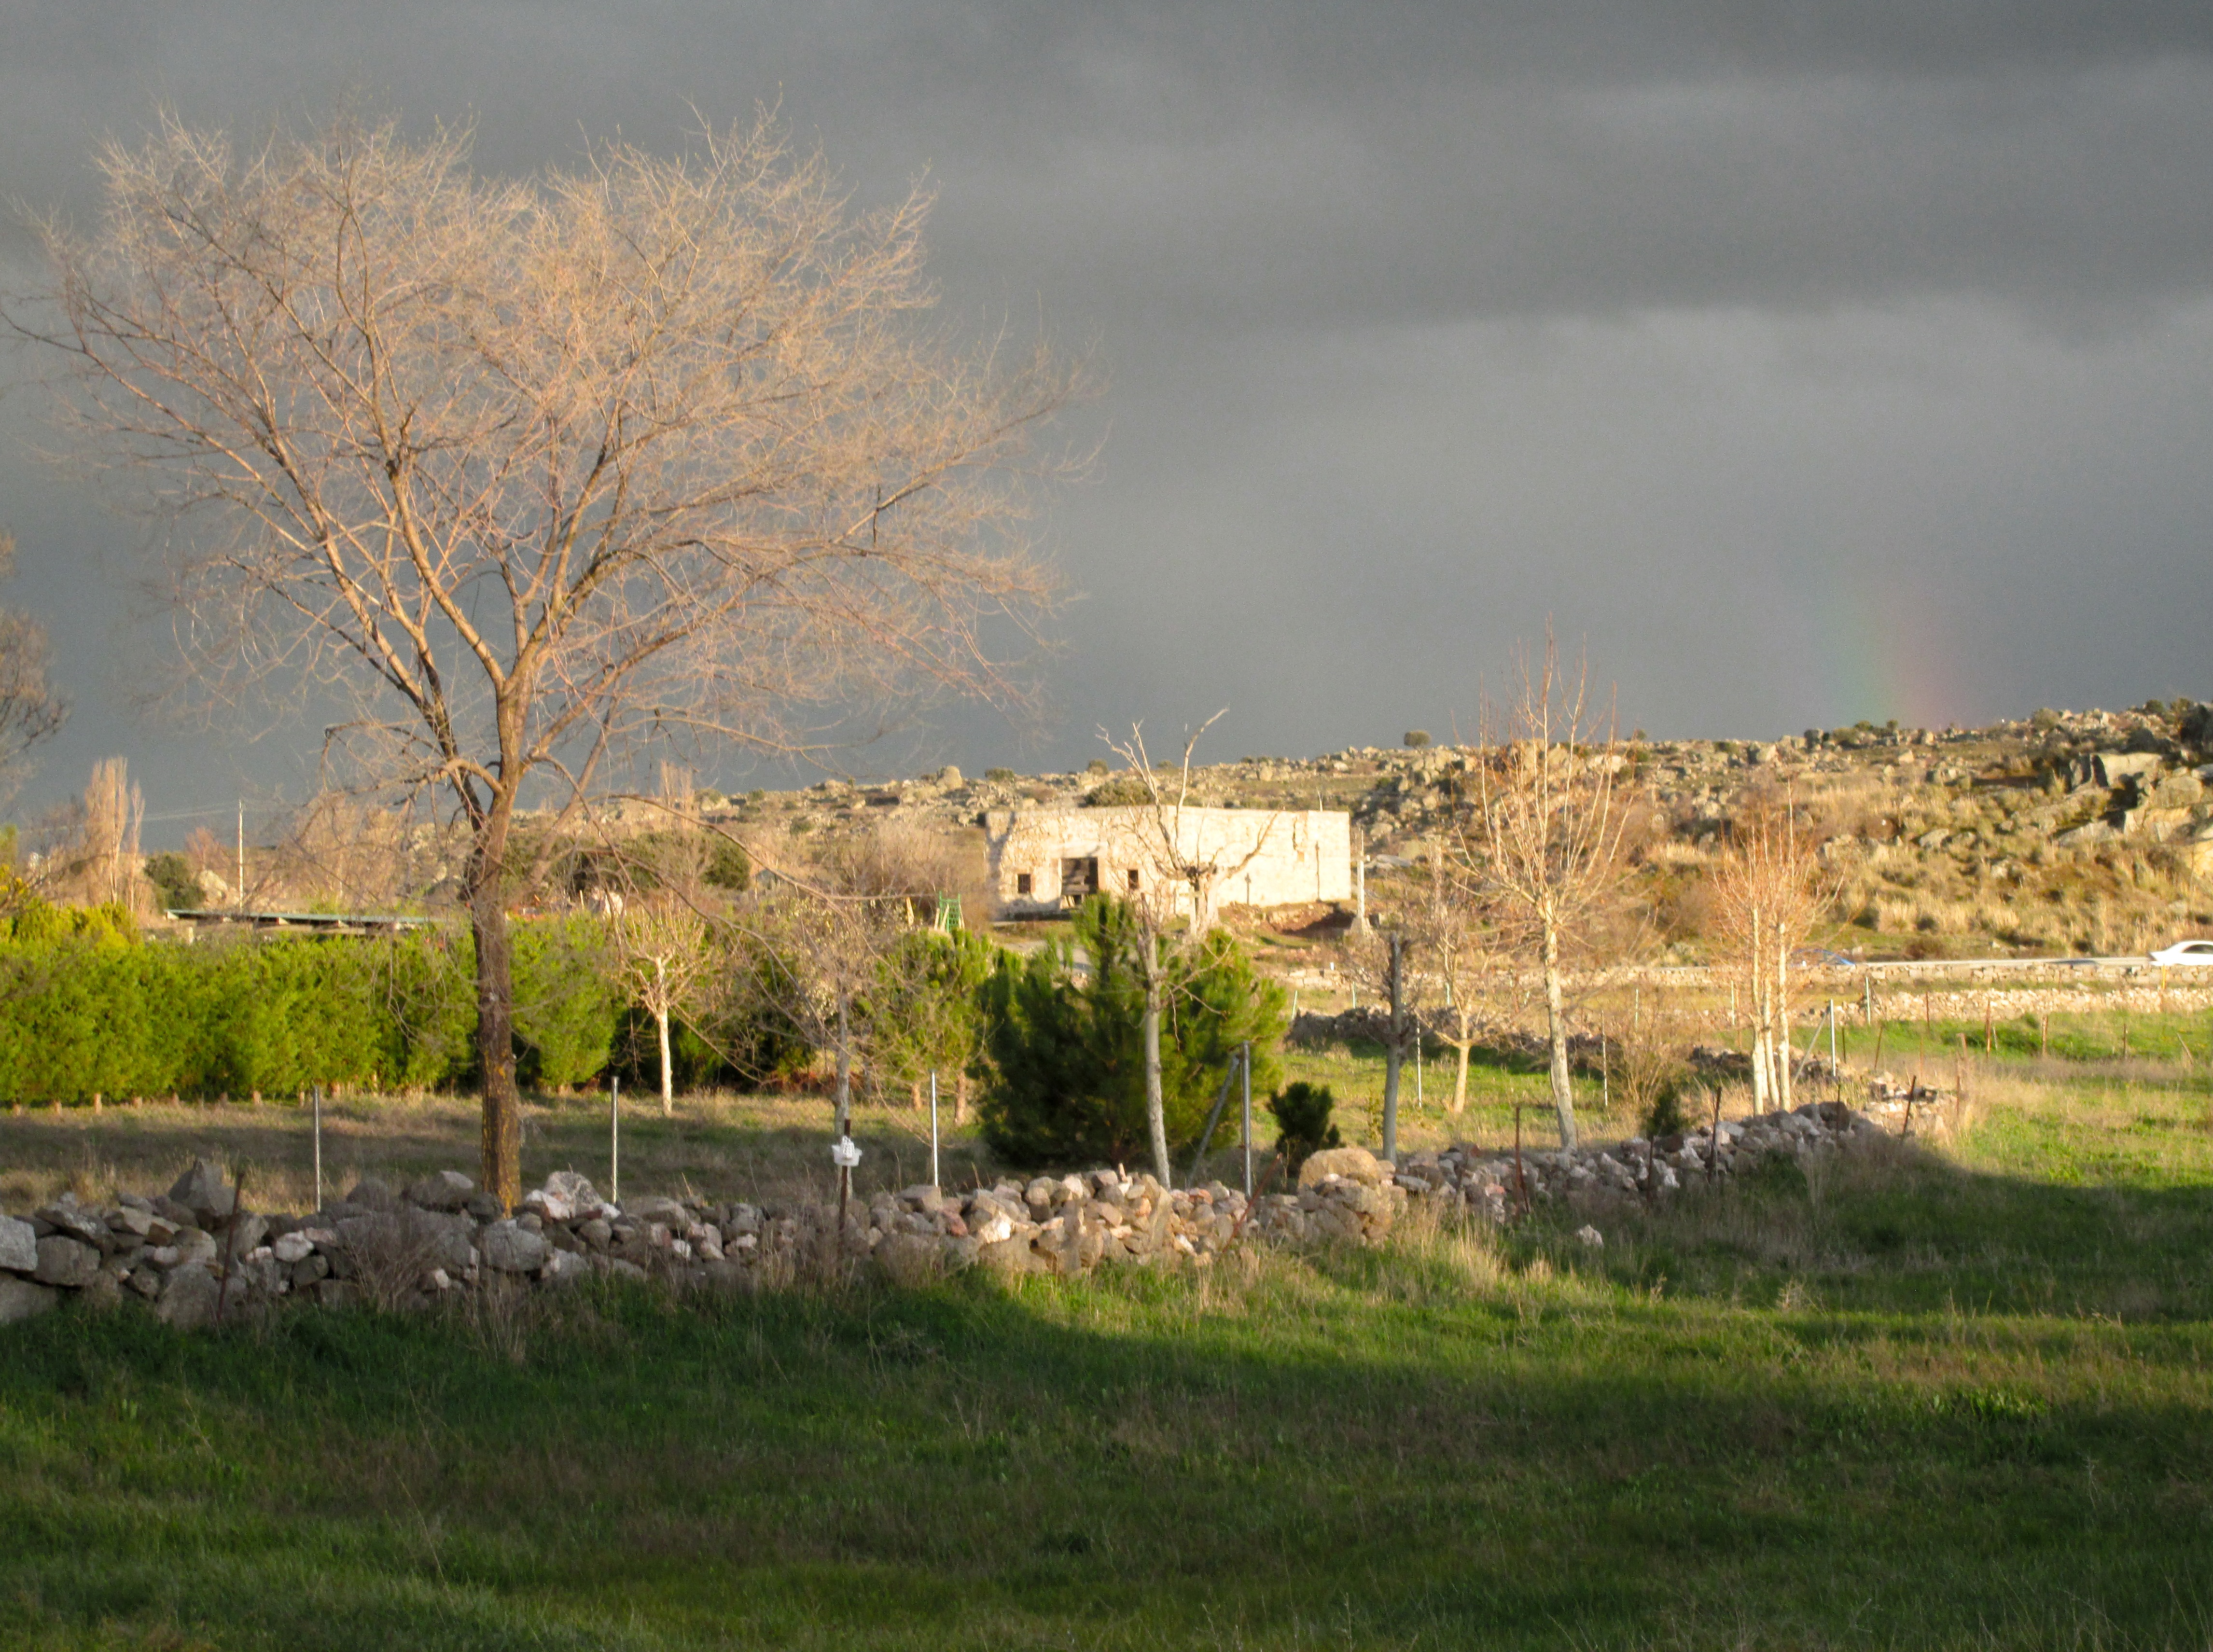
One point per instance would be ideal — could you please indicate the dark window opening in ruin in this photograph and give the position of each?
(1079, 877)
(1133, 877)
(1022, 883)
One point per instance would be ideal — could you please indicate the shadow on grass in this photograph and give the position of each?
(1897, 1229)
(1441, 1443)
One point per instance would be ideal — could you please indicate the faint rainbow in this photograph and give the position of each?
(1882, 649)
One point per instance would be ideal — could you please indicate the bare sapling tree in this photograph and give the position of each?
(514, 482)
(1768, 895)
(1174, 896)
(30, 712)
(1544, 835)
(1383, 961)
(832, 921)
(660, 944)
(1647, 1035)
(1470, 990)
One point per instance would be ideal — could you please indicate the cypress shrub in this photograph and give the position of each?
(1064, 1066)
(1302, 1122)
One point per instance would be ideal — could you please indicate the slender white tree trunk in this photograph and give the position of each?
(1555, 1018)
(1156, 1119)
(1763, 1072)
(1782, 1056)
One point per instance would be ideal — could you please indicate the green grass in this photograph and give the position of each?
(1959, 1395)
(1436, 1446)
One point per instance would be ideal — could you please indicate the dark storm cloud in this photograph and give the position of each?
(1426, 320)
(1323, 164)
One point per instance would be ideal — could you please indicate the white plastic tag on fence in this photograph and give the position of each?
(844, 1153)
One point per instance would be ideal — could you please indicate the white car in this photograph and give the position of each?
(2185, 952)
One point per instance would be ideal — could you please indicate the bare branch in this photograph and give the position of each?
(537, 474)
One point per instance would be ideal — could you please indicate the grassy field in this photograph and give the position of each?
(1954, 1393)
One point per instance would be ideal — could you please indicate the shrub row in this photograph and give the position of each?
(86, 1008)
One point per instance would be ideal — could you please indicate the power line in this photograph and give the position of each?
(185, 813)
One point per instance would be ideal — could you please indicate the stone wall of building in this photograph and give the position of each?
(1042, 860)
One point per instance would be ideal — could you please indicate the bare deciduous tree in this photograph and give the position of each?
(1472, 991)
(540, 474)
(1647, 1040)
(92, 853)
(833, 921)
(1382, 959)
(30, 712)
(1767, 897)
(661, 948)
(1544, 833)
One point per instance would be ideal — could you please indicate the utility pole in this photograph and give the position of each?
(238, 898)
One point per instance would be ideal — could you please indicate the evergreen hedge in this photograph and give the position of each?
(87, 1008)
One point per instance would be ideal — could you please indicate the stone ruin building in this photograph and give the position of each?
(1044, 860)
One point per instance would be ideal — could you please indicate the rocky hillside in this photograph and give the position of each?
(2069, 831)
(2063, 832)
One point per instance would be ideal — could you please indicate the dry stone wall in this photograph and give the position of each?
(193, 1254)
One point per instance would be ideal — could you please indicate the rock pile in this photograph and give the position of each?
(194, 1253)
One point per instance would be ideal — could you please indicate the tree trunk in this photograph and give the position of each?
(1784, 1058)
(1555, 1018)
(1763, 1069)
(502, 1138)
(1394, 1052)
(1459, 1079)
(960, 1099)
(1156, 1121)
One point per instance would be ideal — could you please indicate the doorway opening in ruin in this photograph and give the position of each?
(1079, 878)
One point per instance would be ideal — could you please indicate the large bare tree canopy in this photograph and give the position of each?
(540, 472)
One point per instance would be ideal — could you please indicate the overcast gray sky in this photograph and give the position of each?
(1805, 361)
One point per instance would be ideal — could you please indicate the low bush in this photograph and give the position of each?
(1303, 1128)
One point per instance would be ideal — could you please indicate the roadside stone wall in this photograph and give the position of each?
(192, 1255)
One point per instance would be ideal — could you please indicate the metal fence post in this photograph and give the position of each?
(1248, 1124)
(1214, 1118)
